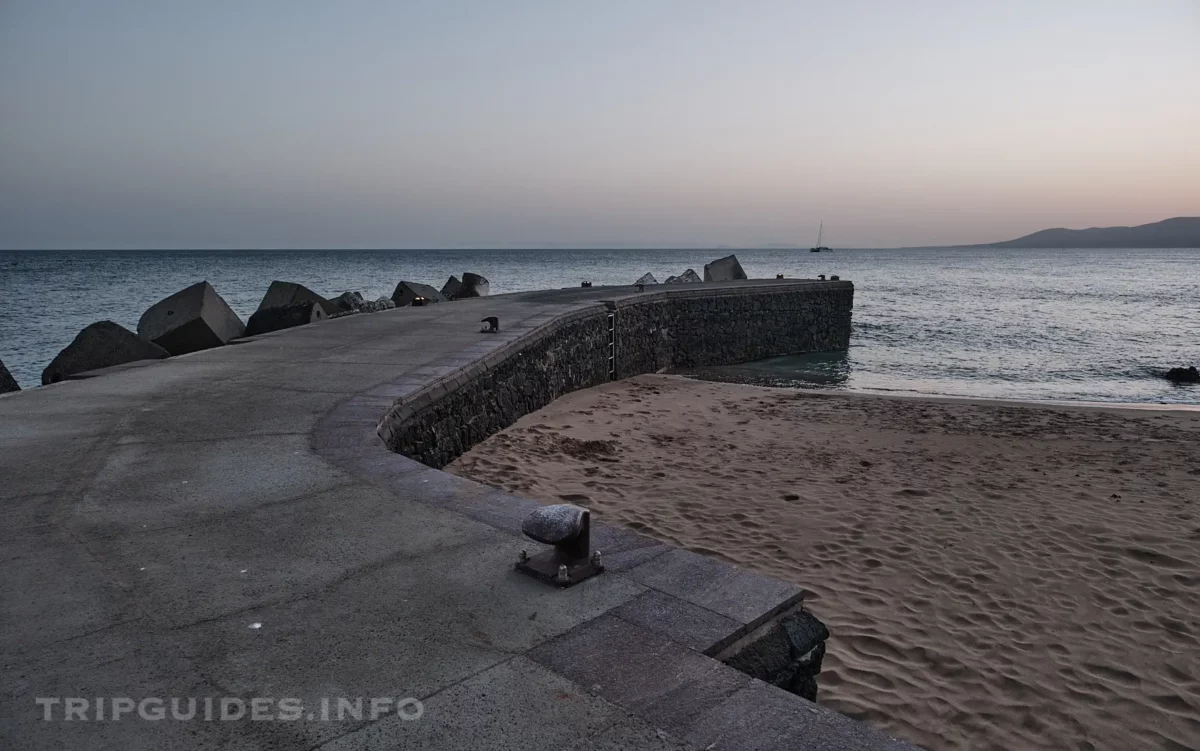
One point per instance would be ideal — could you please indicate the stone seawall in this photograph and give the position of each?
(692, 328)
(626, 335)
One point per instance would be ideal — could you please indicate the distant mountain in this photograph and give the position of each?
(1180, 232)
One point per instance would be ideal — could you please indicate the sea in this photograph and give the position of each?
(1057, 325)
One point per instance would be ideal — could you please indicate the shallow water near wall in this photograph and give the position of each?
(1098, 325)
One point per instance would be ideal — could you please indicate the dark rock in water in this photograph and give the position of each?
(406, 292)
(687, 277)
(473, 285)
(101, 345)
(190, 320)
(451, 288)
(281, 294)
(7, 382)
(348, 301)
(554, 524)
(725, 269)
(646, 278)
(1183, 375)
(284, 317)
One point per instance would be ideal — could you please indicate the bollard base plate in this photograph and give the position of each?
(544, 567)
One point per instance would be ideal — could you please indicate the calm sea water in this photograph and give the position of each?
(1022, 324)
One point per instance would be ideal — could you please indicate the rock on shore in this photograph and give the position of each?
(190, 320)
(646, 278)
(101, 345)
(7, 382)
(370, 306)
(348, 301)
(687, 277)
(1183, 375)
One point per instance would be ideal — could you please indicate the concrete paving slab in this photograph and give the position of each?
(277, 552)
(224, 410)
(634, 735)
(128, 661)
(148, 486)
(53, 590)
(496, 508)
(682, 622)
(742, 595)
(623, 549)
(766, 718)
(36, 468)
(439, 488)
(407, 628)
(370, 461)
(662, 682)
(515, 706)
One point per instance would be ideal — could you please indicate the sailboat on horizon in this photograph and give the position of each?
(819, 247)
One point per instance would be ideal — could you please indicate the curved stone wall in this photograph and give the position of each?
(630, 334)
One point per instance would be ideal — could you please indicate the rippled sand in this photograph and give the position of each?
(999, 577)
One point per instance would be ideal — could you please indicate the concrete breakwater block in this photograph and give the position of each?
(284, 317)
(473, 285)
(725, 269)
(280, 294)
(101, 345)
(406, 292)
(646, 278)
(687, 277)
(190, 320)
(7, 382)
(451, 288)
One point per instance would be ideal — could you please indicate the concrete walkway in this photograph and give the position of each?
(226, 524)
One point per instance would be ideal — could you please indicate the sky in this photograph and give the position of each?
(654, 123)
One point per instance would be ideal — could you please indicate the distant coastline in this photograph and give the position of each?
(1177, 232)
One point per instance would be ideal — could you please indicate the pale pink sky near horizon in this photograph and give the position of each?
(525, 124)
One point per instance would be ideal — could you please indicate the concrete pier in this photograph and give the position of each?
(229, 524)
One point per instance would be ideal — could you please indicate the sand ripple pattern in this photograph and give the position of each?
(995, 577)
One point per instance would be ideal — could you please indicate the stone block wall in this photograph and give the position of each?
(662, 329)
(441, 423)
(693, 328)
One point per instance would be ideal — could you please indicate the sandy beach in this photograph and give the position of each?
(993, 575)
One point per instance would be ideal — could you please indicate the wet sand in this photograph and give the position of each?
(994, 575)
